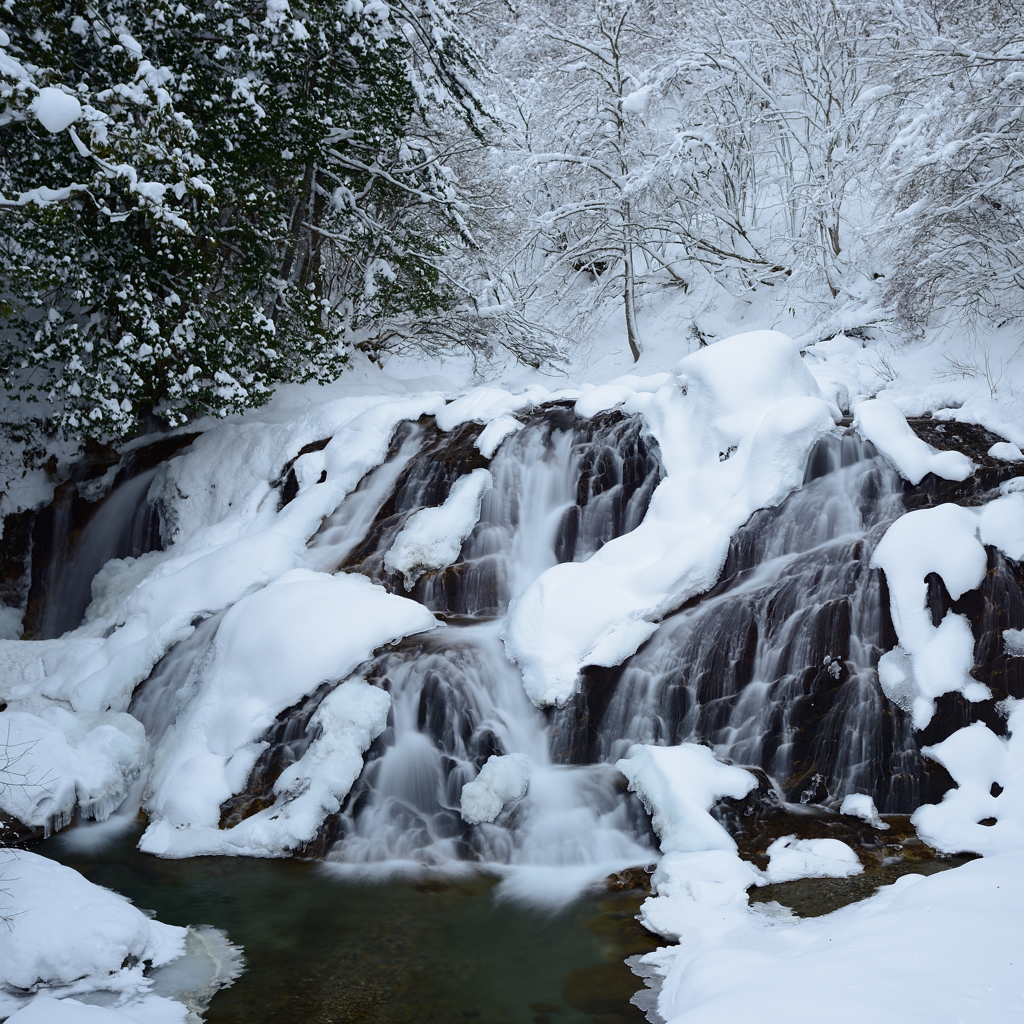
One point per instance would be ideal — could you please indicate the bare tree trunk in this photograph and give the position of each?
(629, 297)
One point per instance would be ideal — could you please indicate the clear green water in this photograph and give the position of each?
(320, 949)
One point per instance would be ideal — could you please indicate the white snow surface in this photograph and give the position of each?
(272, 649)
(860, 805)
(504, 778)
(1007, 451)
(941, 949)
(949, 540)
(885, 426)
(66, 936)
(433, 537)
(790, 858)
(55, 109)
(918, 947)
(734, 430)
(678, 786)
(989, 774)
(150, 1009)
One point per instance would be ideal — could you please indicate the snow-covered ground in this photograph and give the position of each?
(734, 422)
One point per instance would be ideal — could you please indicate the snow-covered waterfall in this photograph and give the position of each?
(561, 488)
(776, 666)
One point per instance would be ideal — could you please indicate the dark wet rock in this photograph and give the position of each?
(813, 897)
(630, 879)
(287, 740)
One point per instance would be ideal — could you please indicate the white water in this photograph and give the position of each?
(121, 527)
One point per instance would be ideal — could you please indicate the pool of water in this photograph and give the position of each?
(320, 948)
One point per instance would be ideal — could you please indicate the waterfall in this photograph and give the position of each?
(775, 667)
(562, 487)
(125, 525)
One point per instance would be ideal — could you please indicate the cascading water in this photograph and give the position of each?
(126, 525)
(561, 488)
(775, 666)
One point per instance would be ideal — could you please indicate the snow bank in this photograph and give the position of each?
(504, 778)
(433, 537)
(678, 786)
(62, 933)
(860, 805)
(45, 1009)
(918, 947)
(790, 858)
(985, 812)
(897, 950)
(1007, 451)
(948, 540)
(734, 433)
(887, 429)
(272, 649)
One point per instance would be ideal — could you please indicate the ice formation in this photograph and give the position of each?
(64, 938)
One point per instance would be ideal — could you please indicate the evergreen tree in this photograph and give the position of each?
(232, 190)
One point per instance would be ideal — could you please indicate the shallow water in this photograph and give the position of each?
(320, 948)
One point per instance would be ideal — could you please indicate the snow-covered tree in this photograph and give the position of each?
(201, 202)
(955, 167)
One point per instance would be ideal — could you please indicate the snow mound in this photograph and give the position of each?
(64, 934)
(701, 882)
(790, 858)
(678, 786)
(985, 812)
(504, 778)
(494, 433)
(734, 432)
(860, 805)
(272, 649)
(55, 109)
(1007, 451)
(948, 540)
(887, 429)
(433, 537)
